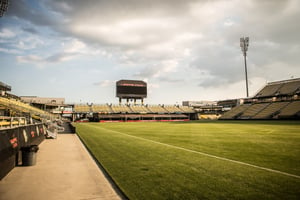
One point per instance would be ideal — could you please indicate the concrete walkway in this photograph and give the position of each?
(64, 171)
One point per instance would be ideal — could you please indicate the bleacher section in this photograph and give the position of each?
(173, 109)
(269, 90)
(186, 109)
(279, 88)
(235, 112)
(100, 112)
(121, 109)
(18, 108)
(277, 100)
(253, 110)
(290, 110)
(101, 108)
(289, 88)
(157, 109)
(81, 108)
(275, 110)
(271, 110)
(139, 109)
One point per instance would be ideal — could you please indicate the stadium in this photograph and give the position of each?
(213, 143)
(27, 121)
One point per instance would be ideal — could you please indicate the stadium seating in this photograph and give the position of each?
(172, 109)
(253, 110)
(288, 87)
(186, 109)
(139, 109)
(235, 112)
(290, 110)
(17, 108)
(287, 109)
(276, 100)
(134, 112)
(102, 108)
(269, 90)
(271, 110)
(82, 108)
(121, 109)
(157, 109)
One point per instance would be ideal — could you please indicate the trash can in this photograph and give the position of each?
(29, 155)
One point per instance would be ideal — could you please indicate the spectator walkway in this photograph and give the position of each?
(64, 171)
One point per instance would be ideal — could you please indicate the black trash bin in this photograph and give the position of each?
(29, 155)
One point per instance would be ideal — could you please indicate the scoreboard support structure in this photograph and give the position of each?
(134, 101)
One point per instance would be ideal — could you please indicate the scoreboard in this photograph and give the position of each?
(131, 89)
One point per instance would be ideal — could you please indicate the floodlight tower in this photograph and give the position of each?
(244, 43)
(3, 7)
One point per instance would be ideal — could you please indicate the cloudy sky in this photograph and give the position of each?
(183, 49)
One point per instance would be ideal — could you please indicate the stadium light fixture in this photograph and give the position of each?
(3, 7)
(244, 43)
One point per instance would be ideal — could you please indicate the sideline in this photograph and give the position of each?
(204, 154)
(110, 179)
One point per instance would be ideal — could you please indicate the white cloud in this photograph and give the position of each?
(29, 58)
(170, 42)
(10, 51)
(105, 83)
(58, 57)
(75, 46)
(27, 43)
(6, 33)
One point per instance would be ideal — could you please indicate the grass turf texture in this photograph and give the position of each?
(144, 169)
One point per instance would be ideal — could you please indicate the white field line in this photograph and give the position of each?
(205, 154)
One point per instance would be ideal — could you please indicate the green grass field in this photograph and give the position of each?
(199, 160)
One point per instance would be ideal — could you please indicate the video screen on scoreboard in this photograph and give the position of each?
(131, 89)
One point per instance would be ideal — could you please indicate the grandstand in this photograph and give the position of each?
(253, 110)
(121, 109)
(271, 110)
(139, 109)
(105, 108)
(292, 109)
(277, 100)
(19, 109)
(157, 109)
(173, 109)
(235, 112)
(111, 112)
(269, 91)
(82, 108)
(186, 109)
(286, 88)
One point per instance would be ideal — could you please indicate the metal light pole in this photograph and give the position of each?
(244, 43)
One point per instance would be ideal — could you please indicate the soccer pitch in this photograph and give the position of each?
(199, 159)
